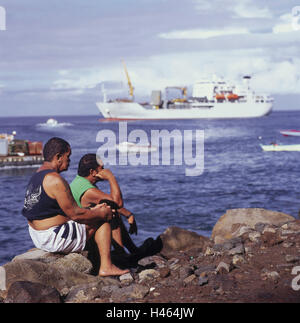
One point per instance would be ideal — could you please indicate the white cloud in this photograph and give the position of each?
(76, 79)
(63, 72)
(246, 9)
(239, 8)
(203, 5)
(286, 24)
(281, 77)
(273, 64)
(271, 73)
(203, 33)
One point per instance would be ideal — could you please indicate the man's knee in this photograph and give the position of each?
(93, 229)
(104, 227)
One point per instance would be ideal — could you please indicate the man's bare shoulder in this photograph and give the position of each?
(54, 179)
(53, 176)
(54, 185)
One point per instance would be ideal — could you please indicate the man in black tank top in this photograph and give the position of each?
(56, 222)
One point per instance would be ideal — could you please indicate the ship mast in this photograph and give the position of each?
(131, 88)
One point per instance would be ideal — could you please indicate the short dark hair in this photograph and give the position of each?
(86, 163)
(55, 146)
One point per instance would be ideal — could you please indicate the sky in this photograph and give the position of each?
(54, 55)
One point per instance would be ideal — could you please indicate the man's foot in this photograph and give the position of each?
(112, 271)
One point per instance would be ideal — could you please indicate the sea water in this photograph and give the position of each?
(236, 174)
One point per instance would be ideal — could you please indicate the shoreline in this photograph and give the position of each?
(244, 261)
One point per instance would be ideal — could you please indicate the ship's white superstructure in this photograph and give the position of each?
(210, 99)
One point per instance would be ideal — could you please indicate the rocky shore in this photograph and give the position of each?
(253, 255)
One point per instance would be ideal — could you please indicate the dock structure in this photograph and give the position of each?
(20, 161)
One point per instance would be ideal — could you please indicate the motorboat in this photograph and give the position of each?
(130, 147)
(290, 132)
(52, 122)
(279, 147)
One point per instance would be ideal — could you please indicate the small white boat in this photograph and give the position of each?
(130, 147)
(290, 132)
(278, 147)
(52, 122)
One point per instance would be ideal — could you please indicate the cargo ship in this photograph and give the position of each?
(16, 153)
(211, 99)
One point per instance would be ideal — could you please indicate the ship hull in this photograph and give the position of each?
(225, 110)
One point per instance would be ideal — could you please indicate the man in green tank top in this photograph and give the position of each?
(85, 193)
(79, 186)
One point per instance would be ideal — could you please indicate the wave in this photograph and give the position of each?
(58, 125)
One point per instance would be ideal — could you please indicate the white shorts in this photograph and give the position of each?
(65, 238)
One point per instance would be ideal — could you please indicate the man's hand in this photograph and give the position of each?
(131, 220)
(104, 174)
(115, 191)
(105, 211)
(132, 225)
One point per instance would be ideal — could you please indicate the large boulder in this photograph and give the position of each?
(88, 292)
(175, 239)
(28, 292)
(53, 275)
(75, 261)
(229, 224)
(133, 291)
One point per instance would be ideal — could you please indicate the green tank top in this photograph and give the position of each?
(79, 186)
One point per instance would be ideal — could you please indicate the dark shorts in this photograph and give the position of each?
(115, 222)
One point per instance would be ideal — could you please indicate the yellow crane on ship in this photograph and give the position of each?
(183, 93)
(131, 88)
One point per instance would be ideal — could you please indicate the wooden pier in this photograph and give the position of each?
(20, 161)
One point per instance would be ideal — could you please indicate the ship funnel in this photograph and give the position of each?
(246, 80)
(156, 101)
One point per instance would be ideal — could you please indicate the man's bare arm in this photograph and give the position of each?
(115, 191)
(93, 195)
(58, 188)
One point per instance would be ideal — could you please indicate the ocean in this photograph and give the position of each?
(236, 173)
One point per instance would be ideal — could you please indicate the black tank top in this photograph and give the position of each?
(38, 205)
